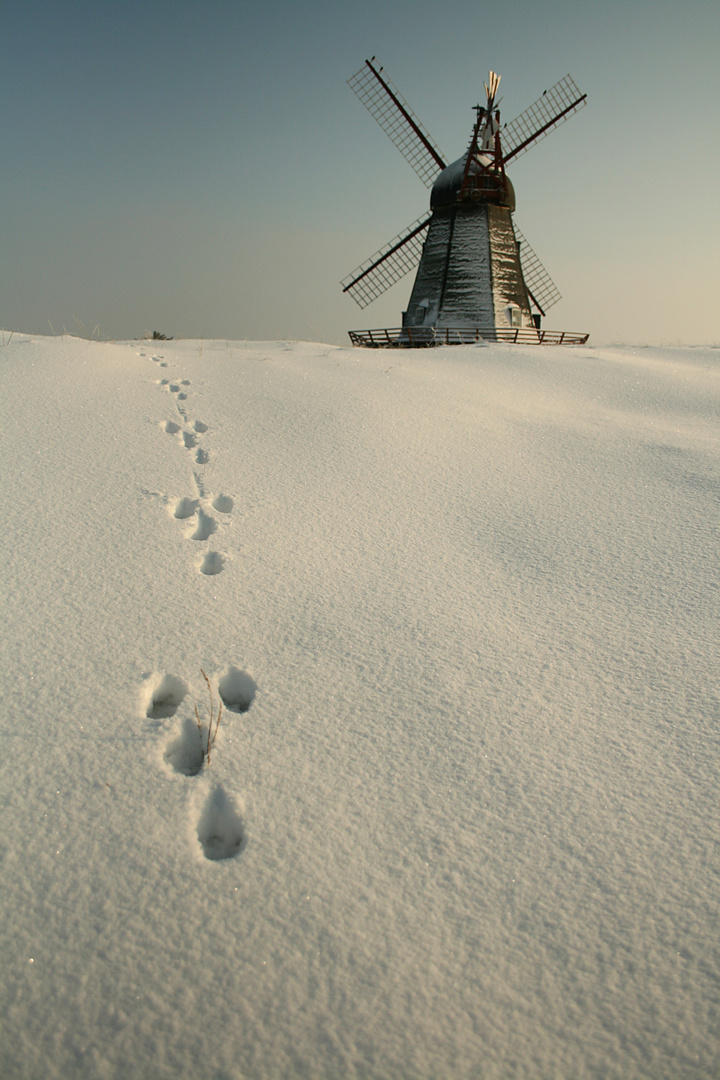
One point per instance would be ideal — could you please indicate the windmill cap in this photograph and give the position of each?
(447, 187)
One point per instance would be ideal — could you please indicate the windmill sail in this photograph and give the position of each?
(541, 287)
(392, 262)
(550, 110)
(384, 102)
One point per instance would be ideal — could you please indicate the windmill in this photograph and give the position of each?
(477, 276)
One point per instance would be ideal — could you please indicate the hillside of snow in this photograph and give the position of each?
(460, 818)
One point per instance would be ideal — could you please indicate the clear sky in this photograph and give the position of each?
(204, 170)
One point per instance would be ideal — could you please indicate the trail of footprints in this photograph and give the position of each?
(219, 826)
(204, 524)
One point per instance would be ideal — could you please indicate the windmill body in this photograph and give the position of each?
(470, 273)
(476, 275)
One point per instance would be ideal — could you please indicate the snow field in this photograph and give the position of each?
(460, 607)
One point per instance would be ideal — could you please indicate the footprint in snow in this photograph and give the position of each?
(223, 504)
(212, 564)
(182, 397)
(185, 751)
(200, 427)
(205, 527)
(202, 457)
(174, 388)
(185, 508)
(184, 382)
(189, 439)
(171, 427)
(237, 689)
(219, 828)
(163, 696)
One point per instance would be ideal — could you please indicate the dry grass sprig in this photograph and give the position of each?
(212, 734)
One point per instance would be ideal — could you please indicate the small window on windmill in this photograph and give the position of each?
(421, 311)
(514, 315)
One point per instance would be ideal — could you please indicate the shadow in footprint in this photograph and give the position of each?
(200, 427)
(202, 457)
(212, 563)
(223, 503)
(185, 753)
(237, 689)
(186, 508)
(172, 428)
(205, 527)
(220, 829)
(165, 697)
(189, 439)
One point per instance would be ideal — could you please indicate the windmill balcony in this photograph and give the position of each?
(425, 337)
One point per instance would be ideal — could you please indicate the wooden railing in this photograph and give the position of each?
(423, 337)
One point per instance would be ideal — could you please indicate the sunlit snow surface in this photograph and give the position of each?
(461, 817)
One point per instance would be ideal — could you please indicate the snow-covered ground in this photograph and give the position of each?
(461, 817)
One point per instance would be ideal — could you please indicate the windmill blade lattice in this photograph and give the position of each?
(550, 110)
(540, 285)
(385, 103)
(392, 262)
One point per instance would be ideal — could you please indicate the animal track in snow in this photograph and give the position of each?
(237, 689)
(205, 527)
(164, 697)
(185, 751)
(223, 503)
(212, 564)
(185, 508)
(220, 829)
(217, 824)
